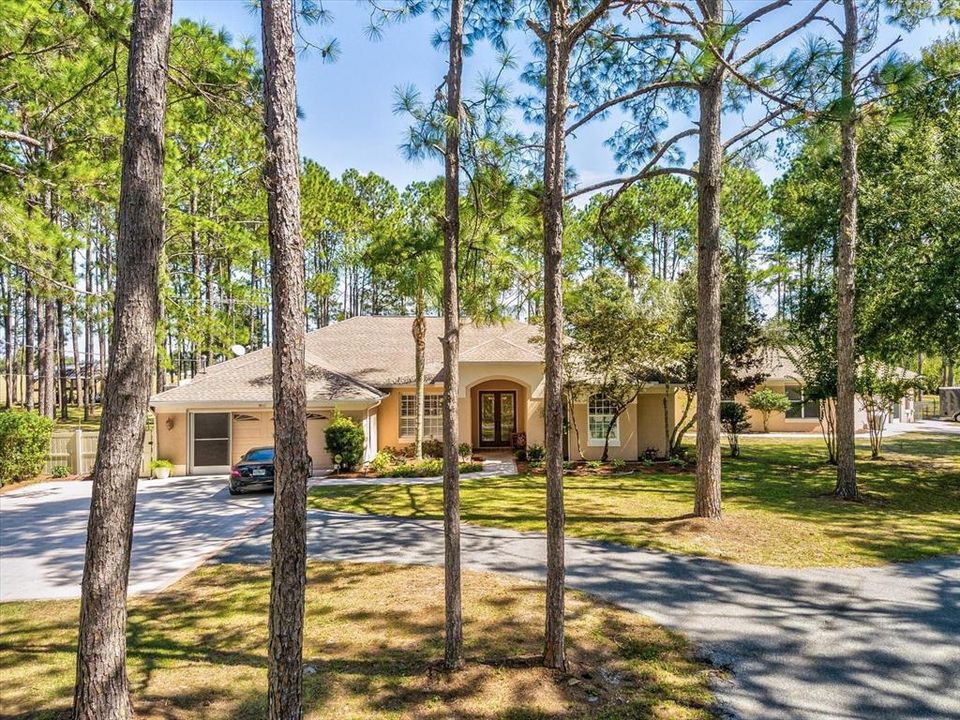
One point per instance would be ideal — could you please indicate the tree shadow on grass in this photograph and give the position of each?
(373, 634)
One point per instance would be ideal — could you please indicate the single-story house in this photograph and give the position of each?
(804, 415)
(364, 368)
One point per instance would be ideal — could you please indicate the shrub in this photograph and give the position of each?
(426, 468)
(733, 417)
(345, 442)
(24, 444)
(60, 471)
(404, 451)
(382, 460)
(619, 464)
(766, 401)
(594, 464)
(651, 454)
(466, 451)
(520, 454)
(432, 449)
(536, 453)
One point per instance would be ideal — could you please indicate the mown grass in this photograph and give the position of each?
(373, 634)
(778, 508)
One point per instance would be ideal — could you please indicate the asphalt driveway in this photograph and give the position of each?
(179, 523)
(866, 643)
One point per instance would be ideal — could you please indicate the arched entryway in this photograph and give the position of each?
(499, 413)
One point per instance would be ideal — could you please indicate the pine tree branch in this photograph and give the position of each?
(648, 170)
(653, 87)
(782, 35)
(19, 137)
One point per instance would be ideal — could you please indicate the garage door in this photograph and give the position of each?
(250, 430)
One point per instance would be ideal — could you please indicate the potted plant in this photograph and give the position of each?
(161, 468)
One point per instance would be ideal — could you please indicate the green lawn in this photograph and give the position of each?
(777, 505)
(373, 634)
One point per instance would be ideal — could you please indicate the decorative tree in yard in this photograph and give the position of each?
(733, 419)
(288, 553)
(766, 401)
(880, 388)
(102, 689)
(618, 339)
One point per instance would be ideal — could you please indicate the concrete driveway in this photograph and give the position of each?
(871, 643)
(179, 523)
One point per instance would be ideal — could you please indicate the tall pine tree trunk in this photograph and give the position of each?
(102, 690)
(48, 374)
(88, 329)
(453, 610)
(557, 58)
(419, 342)
(28, 343)
(62, 358)
(707, 499)
(8, 340)
(289, 553)
(846, 259)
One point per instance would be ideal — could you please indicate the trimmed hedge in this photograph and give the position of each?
(24, 444)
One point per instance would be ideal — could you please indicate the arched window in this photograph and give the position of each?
(600, 413)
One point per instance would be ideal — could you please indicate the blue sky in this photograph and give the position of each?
(349, 120)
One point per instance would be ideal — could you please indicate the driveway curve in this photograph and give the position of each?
(800, 644)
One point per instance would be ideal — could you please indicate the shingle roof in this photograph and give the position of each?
(351, 360)
(778, 366)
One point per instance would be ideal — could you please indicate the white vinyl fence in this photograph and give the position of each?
(76, 450)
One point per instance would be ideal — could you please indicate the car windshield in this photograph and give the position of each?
(259, 455)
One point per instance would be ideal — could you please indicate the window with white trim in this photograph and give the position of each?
(801, 407)
(432, 416)
(601, 412)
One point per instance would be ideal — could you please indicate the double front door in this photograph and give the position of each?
(498, 417)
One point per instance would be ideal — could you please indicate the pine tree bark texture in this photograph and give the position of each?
(846, 258)
(102, 690)
(557, 59)
(289, 581)
(453, 603)
(420, 349)
(707, 498)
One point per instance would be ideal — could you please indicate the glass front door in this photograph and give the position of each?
(498, 417)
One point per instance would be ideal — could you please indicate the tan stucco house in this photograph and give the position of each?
(364, 368)
(804, 415)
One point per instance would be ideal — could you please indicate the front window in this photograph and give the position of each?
(801, 407)
(600, 413)
(432, 416)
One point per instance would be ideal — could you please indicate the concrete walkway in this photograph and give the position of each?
(811, 644)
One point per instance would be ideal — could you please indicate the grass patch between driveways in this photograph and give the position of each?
(777, 505)
(373, 634)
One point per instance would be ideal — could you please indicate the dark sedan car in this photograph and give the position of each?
(254, 471)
